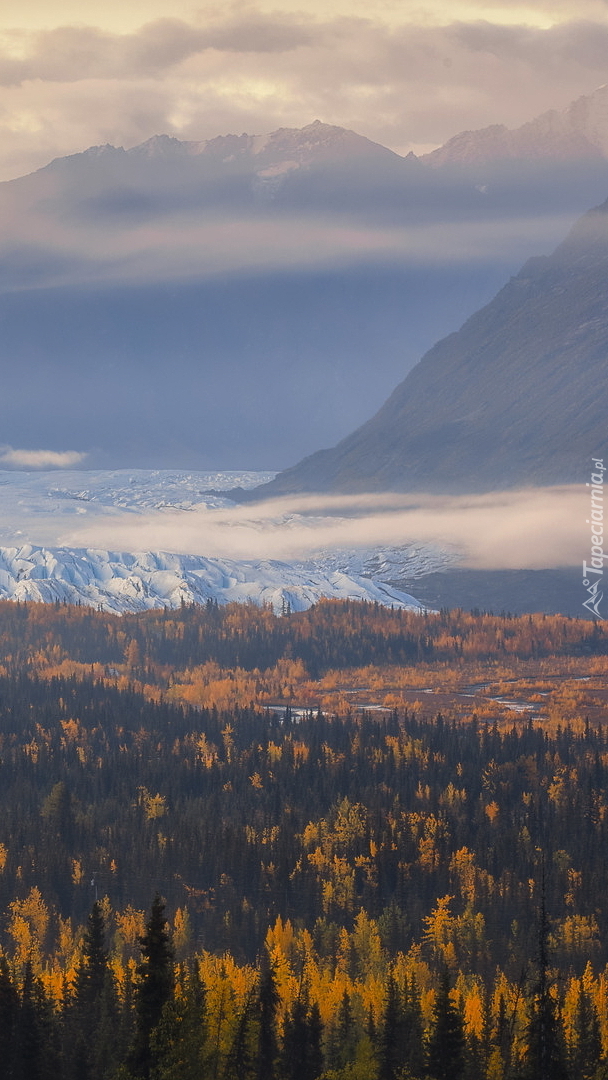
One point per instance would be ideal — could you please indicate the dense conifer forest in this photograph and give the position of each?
(349, 843)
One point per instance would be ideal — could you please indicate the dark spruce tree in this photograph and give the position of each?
(545, 1056)
(36, 1051)
(585, 1049)
(446, 1042)
(9, 1004)
(342, 1036)
(315, 1041)
(414, 1029)
(178, 1042)
(241, 1060)
(91, 1020)
(302, 1058)
(268, 1004)
(154, 987)
(391, 1032)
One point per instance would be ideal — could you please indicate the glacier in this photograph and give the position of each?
(136, 581)
(36, 566)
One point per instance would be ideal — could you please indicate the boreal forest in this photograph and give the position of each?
(350, 843)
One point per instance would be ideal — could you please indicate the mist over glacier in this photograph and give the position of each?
(193, 513)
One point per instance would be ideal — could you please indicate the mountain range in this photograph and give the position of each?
(243, 301)
(185, 300)
(518, 396)
(579, 131)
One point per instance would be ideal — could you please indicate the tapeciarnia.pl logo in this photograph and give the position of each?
(593, 571)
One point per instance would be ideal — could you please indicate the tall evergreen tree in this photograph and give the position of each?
(92, 1017)
(178, 1041)
(268, 1003)
(125, 1031)
(92, 971)
(585, 1050)
(302, 1058)
(105, 1050)
(342, 1036)
(241, 1061)
(9, 1004)
(545, 1051)
(315, 1041)
(36, 1055)
(446, 1042)
(414, 1029)
(154, 987)
(391, 1033)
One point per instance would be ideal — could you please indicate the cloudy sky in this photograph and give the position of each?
(407, 74)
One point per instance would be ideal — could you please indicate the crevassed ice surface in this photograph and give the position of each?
(136, 581)
(32, 569)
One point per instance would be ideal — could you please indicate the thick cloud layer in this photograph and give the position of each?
(403, 76)
(533, 528)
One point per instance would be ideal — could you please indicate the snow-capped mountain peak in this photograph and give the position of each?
(577, 132)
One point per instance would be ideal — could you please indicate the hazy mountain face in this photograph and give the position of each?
(518, 396)
(241, 302)
(572, 134)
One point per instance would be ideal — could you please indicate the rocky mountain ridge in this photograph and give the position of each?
(243, 301)
(577, 132)
(518, 396)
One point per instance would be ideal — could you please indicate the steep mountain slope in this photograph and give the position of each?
(215, 305)
(518, 396)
